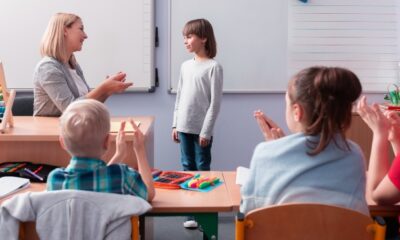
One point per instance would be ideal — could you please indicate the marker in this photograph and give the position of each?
(38, 169)
(33, 174)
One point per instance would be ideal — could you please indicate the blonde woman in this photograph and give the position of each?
(58, 79)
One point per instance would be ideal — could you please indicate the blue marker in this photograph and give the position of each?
(33, 174)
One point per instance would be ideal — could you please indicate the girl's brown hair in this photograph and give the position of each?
(203, 29)
(327, 95)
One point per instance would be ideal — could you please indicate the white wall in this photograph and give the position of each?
(236, 132)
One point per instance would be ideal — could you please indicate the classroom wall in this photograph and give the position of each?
(236, 132)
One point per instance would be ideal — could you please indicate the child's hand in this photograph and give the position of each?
(120, 145)
(394, 131)
(175, 137)
(138, 137)
(268, 128)
(373, 117)
(203, 142)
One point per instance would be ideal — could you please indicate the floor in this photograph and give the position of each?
(171, 228)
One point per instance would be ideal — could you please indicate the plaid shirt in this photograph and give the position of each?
(94, 175)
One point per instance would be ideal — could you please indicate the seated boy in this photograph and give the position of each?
(85, 127)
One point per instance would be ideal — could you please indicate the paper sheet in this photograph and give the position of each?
(9, 185)
(242, 174)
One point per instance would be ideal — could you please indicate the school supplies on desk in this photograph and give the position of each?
(10, 185)
(155, 172)
(201, 183)
(34, 172)
(171, 179)
(389, 107)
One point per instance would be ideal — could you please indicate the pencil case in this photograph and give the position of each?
(18, 169)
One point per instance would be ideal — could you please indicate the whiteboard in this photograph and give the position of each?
(361, 35)
(251, 41)
(120, 38)
(262, 43)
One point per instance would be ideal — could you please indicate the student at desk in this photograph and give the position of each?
(316, 163)
(58, 79)
(383, 179)
(85, 127)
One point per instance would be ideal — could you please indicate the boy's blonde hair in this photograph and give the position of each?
(53, 41)
(85, 125)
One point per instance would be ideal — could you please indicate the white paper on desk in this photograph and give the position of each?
(242, 174)
(10, 185)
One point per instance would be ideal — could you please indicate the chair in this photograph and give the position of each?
(23, 104)
(307, 221)
(27, 231)
(73, 213)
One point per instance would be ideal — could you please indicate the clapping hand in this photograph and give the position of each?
(269, 128)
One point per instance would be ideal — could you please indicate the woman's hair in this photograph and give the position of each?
(53, 41)
(203, 29)
(85, 125)
(326, 95)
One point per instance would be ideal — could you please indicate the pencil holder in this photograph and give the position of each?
(393, 94)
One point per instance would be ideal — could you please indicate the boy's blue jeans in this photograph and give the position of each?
(193, 156)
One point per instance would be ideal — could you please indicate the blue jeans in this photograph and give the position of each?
(193, 156)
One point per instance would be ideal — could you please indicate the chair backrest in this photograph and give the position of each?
(74, 213)
(23, 104)
(27, 231)
(307, 221)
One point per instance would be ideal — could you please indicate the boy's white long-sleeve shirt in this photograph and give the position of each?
(198, 97)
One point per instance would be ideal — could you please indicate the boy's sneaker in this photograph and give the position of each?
(190, 224)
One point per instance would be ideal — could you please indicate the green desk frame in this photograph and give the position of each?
(207, 220)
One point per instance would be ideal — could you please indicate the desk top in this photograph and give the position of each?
(47, 128)
(176, 201)
(375, 210)
(233, 189)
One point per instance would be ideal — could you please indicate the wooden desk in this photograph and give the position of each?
(374, 209)
(233, 189)
(35, 139)
(203, 206)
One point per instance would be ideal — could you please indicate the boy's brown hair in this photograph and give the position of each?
(203, 29)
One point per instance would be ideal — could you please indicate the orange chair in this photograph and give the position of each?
(308, 221)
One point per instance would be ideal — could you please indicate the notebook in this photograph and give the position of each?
(10, 185)
(242, 174)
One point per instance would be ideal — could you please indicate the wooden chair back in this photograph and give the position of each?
(308, 221)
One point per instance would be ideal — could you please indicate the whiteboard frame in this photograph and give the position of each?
(138, 60)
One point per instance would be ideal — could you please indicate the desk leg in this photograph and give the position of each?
(209, 223)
